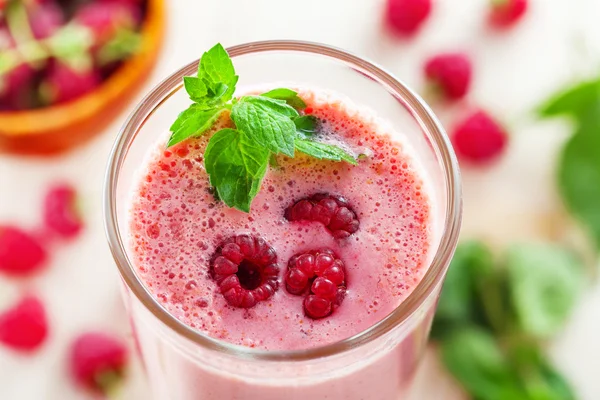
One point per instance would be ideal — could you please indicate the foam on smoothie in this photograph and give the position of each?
(176, 224)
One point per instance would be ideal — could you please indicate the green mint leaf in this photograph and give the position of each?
(306, 124)
(195, 88)
(8, 61)
(193, 122)
(579, 176)
(461, 300)
(125, 43)
(236, 167)
(474, 357)
(539, 379)
(266, 121)
(273, 161)
(324, 151)
(216, 70)
(288, 95)
(551, 384)
(220, 90)
(574, 101)
(544, 282)
(72, 44)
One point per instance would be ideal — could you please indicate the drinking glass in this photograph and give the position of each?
(182, 363)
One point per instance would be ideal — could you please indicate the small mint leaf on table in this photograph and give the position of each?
(217, 72)
(475, 358)
(287, 95)
(193, 122)
(268, 122)
(579, 165)
(236, 166)
(575, 101)
(461, 300)
(306, 124)
(540, 380)
(544, 285)
(324, 151)
(579, 175)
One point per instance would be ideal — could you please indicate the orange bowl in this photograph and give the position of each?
(58, 128)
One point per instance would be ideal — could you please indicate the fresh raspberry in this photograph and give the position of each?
(104, 19)
(331, 210)
(450, 73)
(16, 85)
(479, 139)
(64, 83)
(245, 268)
(24, 327)
(98, 362)
(321, 276)
(60, 211)
(20, 253)
(406, 16)
(45, 20)
(506, 13)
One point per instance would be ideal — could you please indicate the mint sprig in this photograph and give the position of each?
(266, 125)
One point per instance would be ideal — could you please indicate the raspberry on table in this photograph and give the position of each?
(506, 13)
(20, 253)
(479, 139)
(98, 362)
(331, 210)
(60, 211)
(450, 73)
(405, 17)
(245, 269)
(24, 327)
(320, 276)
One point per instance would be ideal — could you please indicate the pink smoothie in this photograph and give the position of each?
(176, 225)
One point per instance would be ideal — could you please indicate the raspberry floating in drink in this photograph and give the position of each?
(321, 275)
(331, 210)
(245, 268)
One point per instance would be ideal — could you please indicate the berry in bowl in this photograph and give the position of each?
(68, 67)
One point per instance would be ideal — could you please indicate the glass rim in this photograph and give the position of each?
(415, 105)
